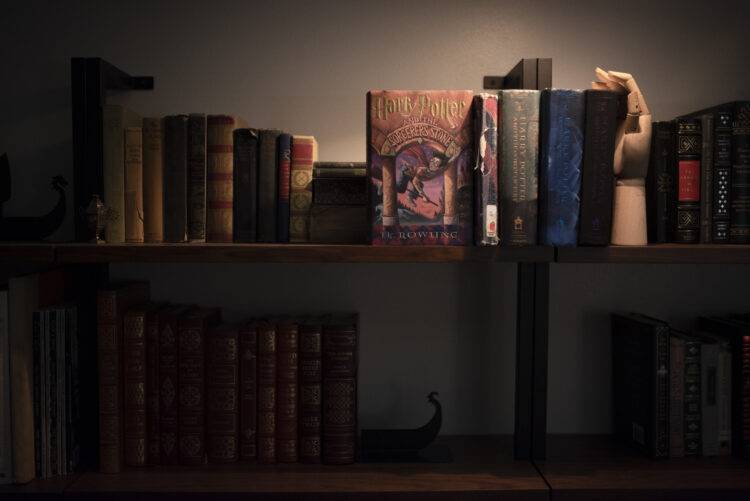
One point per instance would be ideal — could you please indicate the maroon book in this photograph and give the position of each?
(134, 385)
(286, 392)
(153, 450)
(248, 338)
(191, 341)
(222, 384)
(266, 392)
(339, 390)
(310, 390)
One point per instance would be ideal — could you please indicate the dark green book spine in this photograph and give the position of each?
(245, 185)
(196, 188)
(692, 397)
(267, 185)
(740, 212)
(722, 177)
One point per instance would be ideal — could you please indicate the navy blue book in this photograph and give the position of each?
(561, 131)
(285, 165)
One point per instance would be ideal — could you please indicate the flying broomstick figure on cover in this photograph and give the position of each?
(416, 168)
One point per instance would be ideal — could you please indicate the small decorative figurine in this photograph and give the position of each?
(632, 144)
(96, 216)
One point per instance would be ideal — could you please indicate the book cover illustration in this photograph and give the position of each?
(485, 168)
(420, 167)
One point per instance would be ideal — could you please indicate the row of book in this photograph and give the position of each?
(199, 178)
(699, 177)
(522, 167)
(682, 394)
(185, 388)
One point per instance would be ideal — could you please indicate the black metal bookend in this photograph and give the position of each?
(529, 73)
(407, 446)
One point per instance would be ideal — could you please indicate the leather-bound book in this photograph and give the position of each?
(248, 339)
(134, 184)
(153, 442)
(169, 383)
(340, 183)
(597, 178)
(560, 161)
(707, 177)
(304, 155)
(310, 391)
(222, 394)
(518, 137)
(191, 341)
(287, 395)
(112, 303)
(688, 151)
(134, 386)
(268, 188)
(266, 392)
(196, 184)
(339, 390)
(692, 397)
(676, 396)
(660, 184)
(710, 396)
(153, 180)
(722, 177)
(486, 227)
(220, 194)
(284, 176)
(740, 190)
(339, 224)
(175, 178)
(245, 185)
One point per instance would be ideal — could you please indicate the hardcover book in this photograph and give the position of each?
(560, 161)
(311, 392)
(245, 203)
(304, 154)
(287, 394)
(153, 442)
(339, 224)
(692, 397)
(676, 396)
(268, 188)
(740, 206)
(153, 180)
(486, 228)
(222, 407)
(266, 392)
(722, 176)
(710, 391)
(219, 181)
(134, 184)
(419, 160)
(688, 146)
(175, 178)
(519, 143)
(597, 178)
(660, 184)
(6, 465)
(340, 183)
(248, 339)
(707, 177)
(284, 176)
(197, 170)
(323, 170)
(134, 386)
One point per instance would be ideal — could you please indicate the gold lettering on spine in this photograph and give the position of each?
(449, 187)
(390, 202)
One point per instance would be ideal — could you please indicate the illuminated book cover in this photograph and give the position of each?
(420, 167)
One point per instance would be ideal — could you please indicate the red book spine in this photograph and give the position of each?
(286, 393)
(339, 392)
(266, 393)
(248, 392)
(310, 377)
(191, 427)
(222, 427)
(689, 180)
(152, 388)
(134, 383)
(168, 386)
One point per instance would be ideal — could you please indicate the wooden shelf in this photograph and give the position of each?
(27, 253)
(51, 488)
(662, 253)
(590, 467)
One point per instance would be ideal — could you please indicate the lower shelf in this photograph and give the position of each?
(590, 467)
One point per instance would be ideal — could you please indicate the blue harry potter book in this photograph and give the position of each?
(560, 158)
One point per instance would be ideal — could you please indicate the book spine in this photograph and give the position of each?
(518, 122)
(725, 402)
(153, 180)
(153, 451)
(676, 397)
(341, 191)
(6, 466)
(37, 347)
(739, 232)
(560, 156)
(267, 185)
(175, 179)
(248, 338)
(597, 179)
(339, 394)
(196, 183)
(661, 446)
(722, 177)
(745, 386)
(310, 388)
(707, 177)
(287, 410)
(687, 227)
(709, 399)
(485, 170)
(660, 184)
(62, 394)
(304, 154)
(110, 392)
(134, 386)
(222, 425)
(191, 427)
(220, 187)
(266, 393)
(113, 147)
(45, 390)
(73, 391)
(284, 178)
(51, 396)
(342, 169)
(168, 389)
(134, 184)
(245, 185)
(692, 398)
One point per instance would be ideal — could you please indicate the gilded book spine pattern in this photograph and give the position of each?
(740, 206)
(707, 177)
(153, 442)
(519, 143)
(110, 399)
(192, 390)
(266, 393)
(287, 410)
(310, 389)
(175, 178)
(722, 177)
(248, 339)
(339, 393)
(222, 425)
(660, 183)
(134, 382)
(676, 397)
(662, 392)
(304, 154)
(168, 388)
(134, 185)
(196, 188)
(688, 181)
(692, 398)
(219, 183)
(153, 180)
(285, 161)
